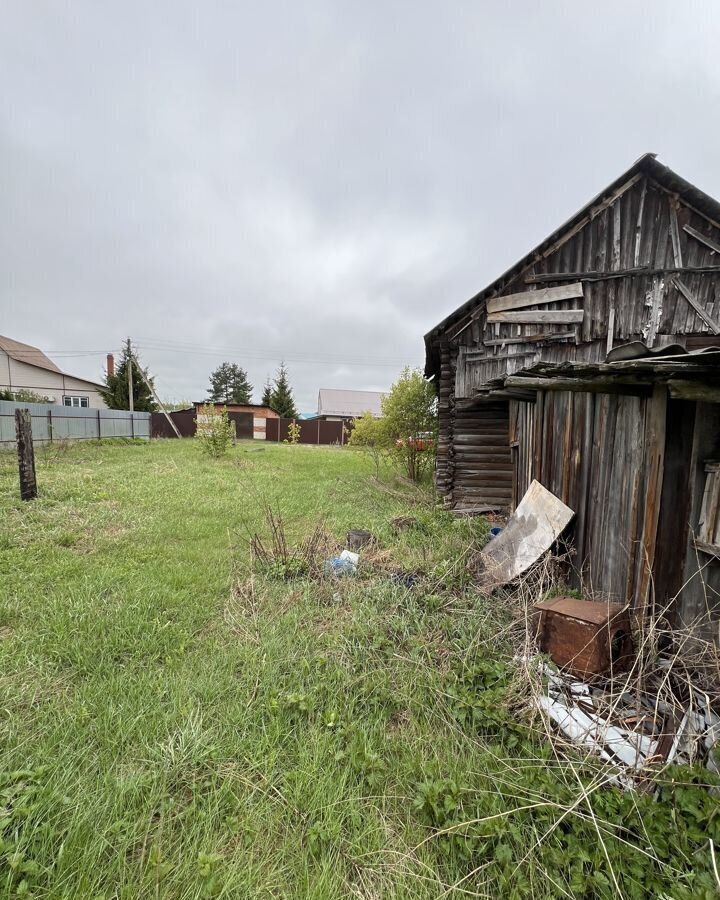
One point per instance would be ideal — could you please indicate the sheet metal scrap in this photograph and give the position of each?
(585, 637)
(634, 730)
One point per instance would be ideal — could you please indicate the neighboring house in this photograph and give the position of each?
(259, 412)
(579, 368)
(25, 368)
(341, 405)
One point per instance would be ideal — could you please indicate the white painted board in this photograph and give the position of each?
(537, 522)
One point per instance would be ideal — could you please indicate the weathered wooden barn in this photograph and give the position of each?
(573, 368)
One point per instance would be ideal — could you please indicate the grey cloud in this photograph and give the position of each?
(319, 181)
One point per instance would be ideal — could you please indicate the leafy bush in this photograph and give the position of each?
(407, 429)
(410, 422)
(368, 434)
(25, 397)
(215, 432)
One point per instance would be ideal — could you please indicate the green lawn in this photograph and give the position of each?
(174, 724)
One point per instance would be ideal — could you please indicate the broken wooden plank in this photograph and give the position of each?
(656, 306)
(617, 220)
(531, 338)
(593, 214)
(539, 317)
(626, 384)
(471, 511)
(638, 226)
(704, 547)
(532, 298)
(684, 389)
(697, 306)
(675, 236)
(604, 275)
(703, 238)
(611, 330)
(655, 435)
(482, 355)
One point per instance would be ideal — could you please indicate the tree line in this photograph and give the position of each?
(229, 384)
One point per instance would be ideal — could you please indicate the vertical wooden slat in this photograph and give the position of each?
(656, 411)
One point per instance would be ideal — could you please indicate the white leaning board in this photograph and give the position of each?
(537, 522)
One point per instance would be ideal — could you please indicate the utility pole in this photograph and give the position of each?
(143, 375)
(130, 377)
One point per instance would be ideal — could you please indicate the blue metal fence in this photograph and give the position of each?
(51, 422)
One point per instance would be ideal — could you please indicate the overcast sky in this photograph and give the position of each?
(315, 181)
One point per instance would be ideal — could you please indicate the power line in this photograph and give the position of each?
(154, 345)
(248, 353)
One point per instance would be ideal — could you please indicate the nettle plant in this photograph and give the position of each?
(215, 432)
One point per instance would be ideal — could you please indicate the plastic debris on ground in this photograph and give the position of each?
(345, 564)
(637, 730)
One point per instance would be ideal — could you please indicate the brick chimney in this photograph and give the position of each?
(110, 365)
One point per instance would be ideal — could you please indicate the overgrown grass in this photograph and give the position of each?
(174, 724)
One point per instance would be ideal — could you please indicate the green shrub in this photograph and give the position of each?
(215, 432)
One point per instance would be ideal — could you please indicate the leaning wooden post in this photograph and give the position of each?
(26, 454)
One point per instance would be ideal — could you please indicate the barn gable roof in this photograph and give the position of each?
(647, 166)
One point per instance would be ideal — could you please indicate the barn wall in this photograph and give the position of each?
(482, 460)
(598, 454)
(445, 455)
(633, 232)
(521, 433)
(568, 441)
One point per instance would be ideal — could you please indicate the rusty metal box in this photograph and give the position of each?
(585, 637)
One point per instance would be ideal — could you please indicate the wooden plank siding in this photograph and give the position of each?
(640, 263)
(589, 451)
(635, 231)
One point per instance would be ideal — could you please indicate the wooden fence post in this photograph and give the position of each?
(26, 454)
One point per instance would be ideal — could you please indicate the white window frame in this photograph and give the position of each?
(83, 402)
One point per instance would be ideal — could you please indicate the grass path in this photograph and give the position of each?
(173, 726)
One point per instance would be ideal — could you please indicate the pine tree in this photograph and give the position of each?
(229, 384)
(266, 399)
(282, 397)
(116, 394)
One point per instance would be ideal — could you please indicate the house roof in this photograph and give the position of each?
(27, 354)
(33, 356)
(647, 165)
(333, 402)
